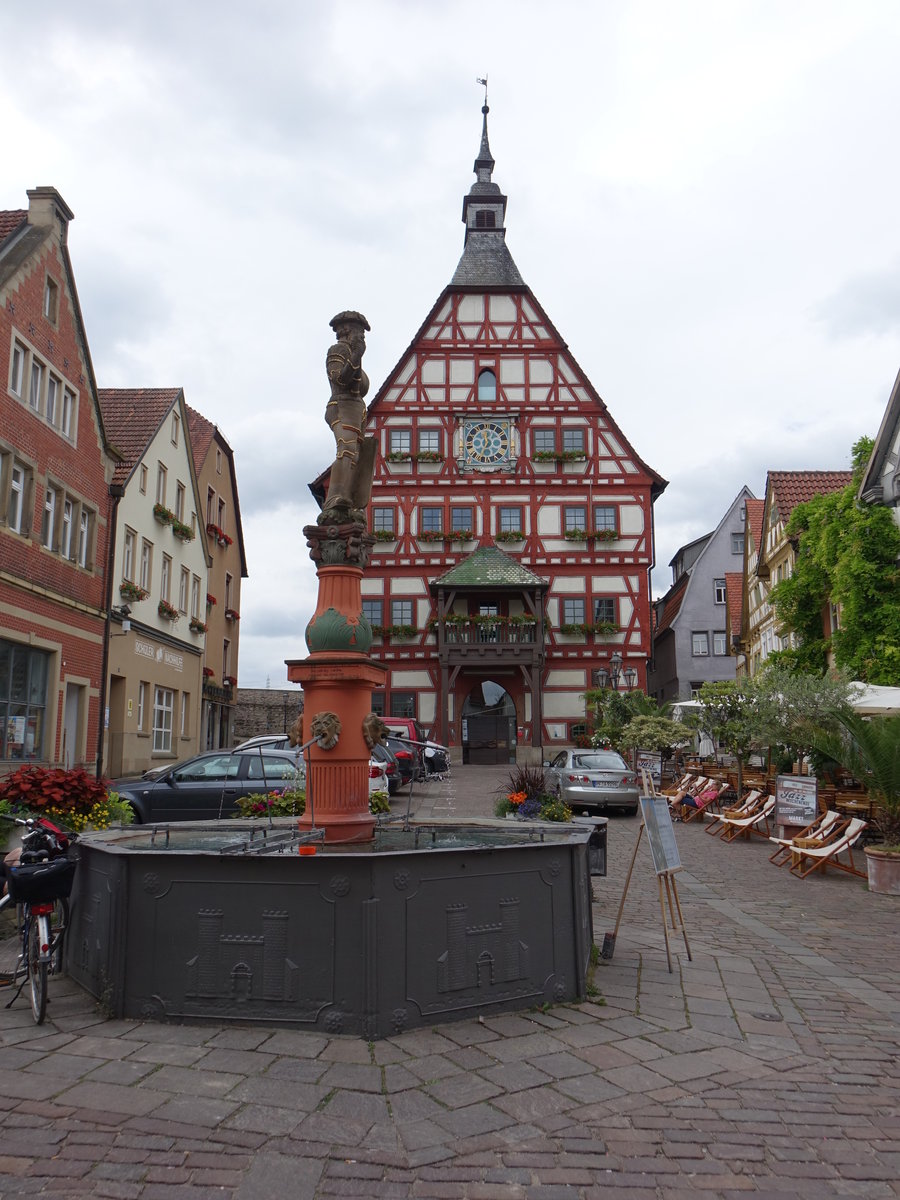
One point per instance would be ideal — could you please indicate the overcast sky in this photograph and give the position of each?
(702, 196)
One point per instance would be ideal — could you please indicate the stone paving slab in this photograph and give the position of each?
(765, 1066)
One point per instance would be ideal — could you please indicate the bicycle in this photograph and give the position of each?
(39, 884)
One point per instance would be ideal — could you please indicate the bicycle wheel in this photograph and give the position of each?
(37, 970)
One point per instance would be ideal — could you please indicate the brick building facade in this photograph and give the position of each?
(56, 506)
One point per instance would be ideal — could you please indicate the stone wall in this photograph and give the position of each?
(265, 710)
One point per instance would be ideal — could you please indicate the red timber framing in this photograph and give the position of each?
(513, 518)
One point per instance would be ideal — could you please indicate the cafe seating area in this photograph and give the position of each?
(844, 815)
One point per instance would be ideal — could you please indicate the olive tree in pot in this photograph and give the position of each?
(869, 748)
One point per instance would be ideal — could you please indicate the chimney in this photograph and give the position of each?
(46, 207)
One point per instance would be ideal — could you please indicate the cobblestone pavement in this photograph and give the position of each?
(767, 1065)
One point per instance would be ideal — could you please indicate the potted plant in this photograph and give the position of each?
(198, 626)
(232, 614)
(869, 748)
(132, 591)
(166, 610)
(164, 515)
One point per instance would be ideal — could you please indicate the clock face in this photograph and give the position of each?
(486, 442)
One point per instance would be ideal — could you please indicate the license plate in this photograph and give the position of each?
(603, 783)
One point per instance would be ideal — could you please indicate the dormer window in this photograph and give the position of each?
(485, 218)
(487, 386)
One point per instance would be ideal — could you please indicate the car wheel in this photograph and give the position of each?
(631, 811)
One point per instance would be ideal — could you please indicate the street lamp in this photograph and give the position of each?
(610, 677)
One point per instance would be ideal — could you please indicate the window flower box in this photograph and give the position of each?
(401, 631)
(164, 515)
(399, 456)
(218, 534)
(384, 535)
(132, 591)
(208, 673)
(198, 626)
(166, 611)
(229, 681)
(509, 535)
(232, 614)
(431, 535)
(210, 601)
(182, 531)
(605, 535)
(576, 535)
(459, 535)
(559, 456)
(428, 456)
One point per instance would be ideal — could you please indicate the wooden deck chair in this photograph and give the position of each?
(698, 784)
(748, 803)
(683, 783)
(707, 800)
(809, 858)
(823, 829)
(749, 825)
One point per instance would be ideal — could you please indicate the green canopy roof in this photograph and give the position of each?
(489, 566)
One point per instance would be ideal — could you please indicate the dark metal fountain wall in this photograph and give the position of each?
(369, 943)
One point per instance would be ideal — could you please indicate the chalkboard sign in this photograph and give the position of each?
(796, 800)
(658, 823)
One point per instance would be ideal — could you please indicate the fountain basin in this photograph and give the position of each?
(228, 921)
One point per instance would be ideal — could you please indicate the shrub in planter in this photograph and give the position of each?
(53, 790)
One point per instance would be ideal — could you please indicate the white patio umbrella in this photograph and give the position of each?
(869, 699)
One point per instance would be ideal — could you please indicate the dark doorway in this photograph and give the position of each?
(488, 725)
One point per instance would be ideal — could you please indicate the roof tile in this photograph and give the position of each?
(131, 416)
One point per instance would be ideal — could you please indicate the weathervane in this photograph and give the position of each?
(483, 83)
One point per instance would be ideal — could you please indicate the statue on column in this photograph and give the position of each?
(350, 481)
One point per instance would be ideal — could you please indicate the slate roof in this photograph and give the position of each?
(489, 566)
(10, 220)
(671, 603)
(790, 488)
(131, 417)
(734, 594)
(486, 262)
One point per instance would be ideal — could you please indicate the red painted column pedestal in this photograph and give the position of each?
(338, 677)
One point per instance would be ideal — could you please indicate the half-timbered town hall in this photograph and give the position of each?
(512, 517)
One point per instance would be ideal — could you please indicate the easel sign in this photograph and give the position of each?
(656, 818)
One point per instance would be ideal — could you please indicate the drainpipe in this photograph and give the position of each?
(116, 492)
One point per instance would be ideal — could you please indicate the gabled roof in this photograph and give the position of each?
(787, 489)
(755, 509)
(670, 606)
(202, 435)
(790, 488)
(734, 594)
(489, 566)
(132, 417)
(871, 488)
(11, 219)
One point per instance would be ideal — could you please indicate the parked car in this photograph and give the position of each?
(382, 753)
(378, 779)
(209, 785)
(406, 758)
(587, 779)
(275, 741)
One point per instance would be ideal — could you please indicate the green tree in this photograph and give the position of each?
(654, 732)
(793, 707)
(735, 714)
(847, 555)
(870, 750)
(609, 712)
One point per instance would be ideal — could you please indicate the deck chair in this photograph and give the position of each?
(708, 799)
(822, 830)
(748, 804)
(748, 825)
(809, 858)
(682, 785)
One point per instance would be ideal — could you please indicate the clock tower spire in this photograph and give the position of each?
(485, 261)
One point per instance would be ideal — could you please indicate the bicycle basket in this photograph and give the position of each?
(37, 883)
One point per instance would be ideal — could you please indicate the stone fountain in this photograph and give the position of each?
(344, 924)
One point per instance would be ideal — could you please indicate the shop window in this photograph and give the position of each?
(24, 674)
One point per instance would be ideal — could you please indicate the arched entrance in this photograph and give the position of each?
(488, 725)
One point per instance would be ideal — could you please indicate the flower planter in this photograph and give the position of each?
(884, 870)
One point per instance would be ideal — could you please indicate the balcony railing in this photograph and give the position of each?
(503, 633)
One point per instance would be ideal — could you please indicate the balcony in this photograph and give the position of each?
(490, 641)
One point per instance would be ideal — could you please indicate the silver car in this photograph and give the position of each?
(587, 779)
